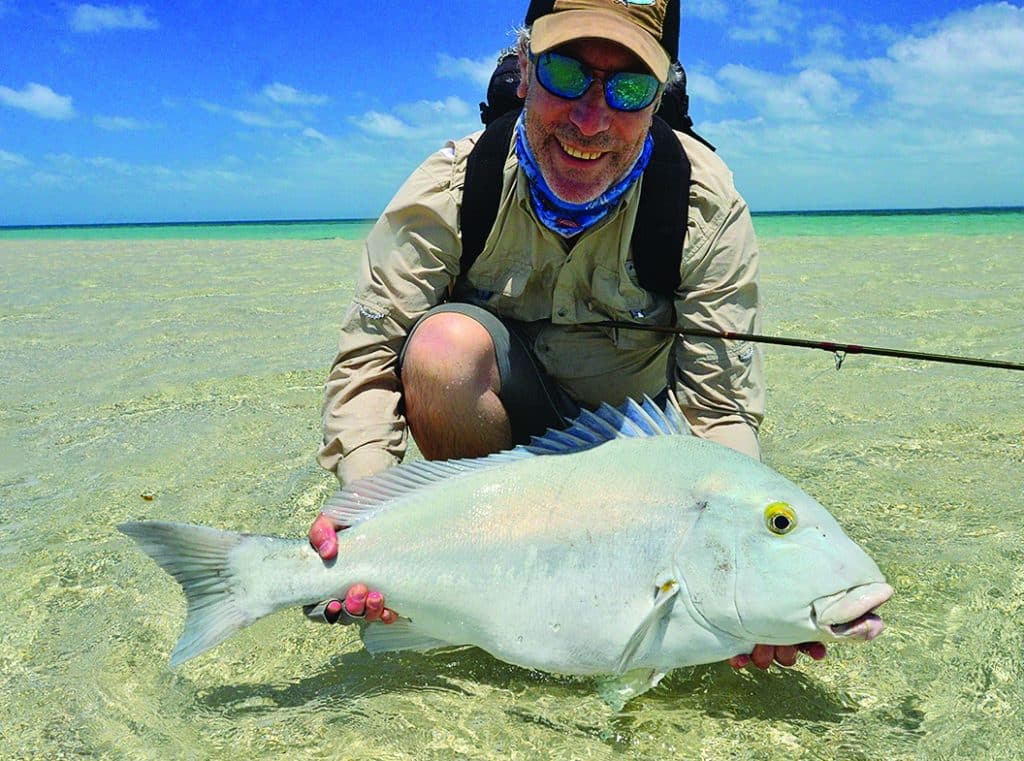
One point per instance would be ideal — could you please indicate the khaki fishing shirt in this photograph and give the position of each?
(527, 272)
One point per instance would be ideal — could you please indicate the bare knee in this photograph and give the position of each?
(451, 350)
(450, 384)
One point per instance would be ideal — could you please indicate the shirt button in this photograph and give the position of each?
(563, 312)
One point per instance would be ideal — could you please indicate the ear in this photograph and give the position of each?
(524, 76)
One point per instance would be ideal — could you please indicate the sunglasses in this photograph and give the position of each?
(569, 78)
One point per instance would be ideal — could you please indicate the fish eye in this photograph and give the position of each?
(780, 518)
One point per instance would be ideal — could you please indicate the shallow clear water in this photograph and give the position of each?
(181, 380)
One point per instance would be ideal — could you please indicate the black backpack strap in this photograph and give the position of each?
(662, 214)
(481, 192)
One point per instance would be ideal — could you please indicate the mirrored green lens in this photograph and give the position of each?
(562, 75)
(569, 78)
(628, 91)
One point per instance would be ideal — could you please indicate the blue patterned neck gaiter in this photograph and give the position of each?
(569, 219)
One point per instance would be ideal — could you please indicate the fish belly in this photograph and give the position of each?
(553, 566)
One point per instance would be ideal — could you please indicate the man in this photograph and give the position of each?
(514, 350)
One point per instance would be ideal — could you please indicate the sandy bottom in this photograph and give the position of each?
(181, 380)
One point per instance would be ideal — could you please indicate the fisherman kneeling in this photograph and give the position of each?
(478, 339)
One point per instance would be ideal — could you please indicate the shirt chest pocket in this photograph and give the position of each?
(624, 300)
(501, 287)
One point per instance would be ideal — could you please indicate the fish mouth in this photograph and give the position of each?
(850, 615)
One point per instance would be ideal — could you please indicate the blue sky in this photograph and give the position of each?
(192, 110)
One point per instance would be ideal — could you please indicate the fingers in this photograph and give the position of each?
(739, 661)
(763, 656)
(323, 535)
(815, 650)
(374, 606)
(332, 611)
(785, 655)
(355, 600)
(360, 603)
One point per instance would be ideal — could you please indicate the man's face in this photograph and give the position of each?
(583, 146)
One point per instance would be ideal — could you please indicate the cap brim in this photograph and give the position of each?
(556, 29)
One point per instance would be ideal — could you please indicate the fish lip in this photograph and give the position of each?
(850, 615)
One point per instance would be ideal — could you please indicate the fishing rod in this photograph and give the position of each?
(838, 349)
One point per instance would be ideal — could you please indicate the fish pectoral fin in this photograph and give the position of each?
(401, 635)
(662, 606)
(616, 690)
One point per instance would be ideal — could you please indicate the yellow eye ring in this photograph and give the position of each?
(780, 518)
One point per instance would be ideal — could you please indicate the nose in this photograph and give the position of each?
(591, 113)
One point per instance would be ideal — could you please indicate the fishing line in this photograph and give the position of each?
(838, 350)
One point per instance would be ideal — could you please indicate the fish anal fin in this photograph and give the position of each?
(401, 635)
(617, 690)
(663, 600)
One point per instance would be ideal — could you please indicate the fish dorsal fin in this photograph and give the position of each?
(362, 499)
(632, 420)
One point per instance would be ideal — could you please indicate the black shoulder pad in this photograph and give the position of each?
(662, 215)
(481, 192)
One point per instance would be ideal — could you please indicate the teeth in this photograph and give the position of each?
(580, 154)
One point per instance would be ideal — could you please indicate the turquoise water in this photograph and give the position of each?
(180, 379)
(894, 222)
(768, 224)
(343, 229)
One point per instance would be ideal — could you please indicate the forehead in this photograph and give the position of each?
(603, 54)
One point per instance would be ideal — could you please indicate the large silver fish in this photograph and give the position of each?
(623, 546)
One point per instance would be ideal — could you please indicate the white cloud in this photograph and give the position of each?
(252, 118)
(970, 62)
(809, 95)
(382, 125)
(766, 21)
(97, 18)
(10, 160)
(476, 70)
(288, 95)
(318, 136)
(827, 36)
(705, 89)
(120, 123)
(39, 100)
(709, 10)
(933, 121)
(426, 112)
(437, 119)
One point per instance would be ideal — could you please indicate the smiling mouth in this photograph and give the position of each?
(578, 154)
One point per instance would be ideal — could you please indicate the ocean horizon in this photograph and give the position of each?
(781, 223)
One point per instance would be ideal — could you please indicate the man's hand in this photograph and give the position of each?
(360, 602)
(785, 655)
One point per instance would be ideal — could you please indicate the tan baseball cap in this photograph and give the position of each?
(638, 25)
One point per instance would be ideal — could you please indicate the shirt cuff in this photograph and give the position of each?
(362, 463)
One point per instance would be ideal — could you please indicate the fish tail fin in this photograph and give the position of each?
(199, 559)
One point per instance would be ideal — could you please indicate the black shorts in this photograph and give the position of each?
(533, 400)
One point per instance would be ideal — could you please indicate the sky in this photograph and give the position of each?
(248, 110)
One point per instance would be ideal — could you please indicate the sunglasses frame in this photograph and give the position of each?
(589, 73)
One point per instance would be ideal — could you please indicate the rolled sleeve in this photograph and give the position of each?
(411, 256)
(720, 383)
